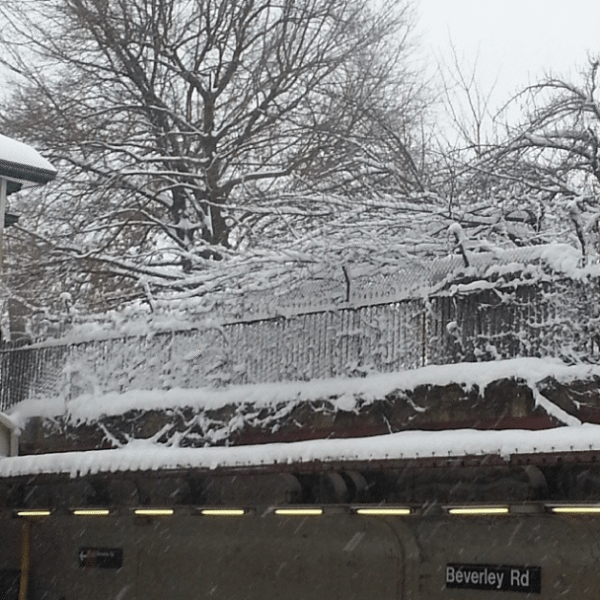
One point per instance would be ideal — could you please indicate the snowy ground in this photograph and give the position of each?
(146, 455)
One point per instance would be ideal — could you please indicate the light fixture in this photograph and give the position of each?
(383, 511)
(90, 512)
(299, 512)
(576, 510)
(33, 513)
(154, 512)
(223, 512)
(479, 510)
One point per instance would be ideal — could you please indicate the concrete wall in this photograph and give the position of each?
(337, 556)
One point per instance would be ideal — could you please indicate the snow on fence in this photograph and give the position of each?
(463, 322)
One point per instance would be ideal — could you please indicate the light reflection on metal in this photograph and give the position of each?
(383, 511)
(33, 513)
(299, 512)
(576, 510)
(91, 512)
(479, 510)
(154, 512)
(223, 512)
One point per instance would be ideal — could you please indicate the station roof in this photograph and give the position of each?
(327, 454)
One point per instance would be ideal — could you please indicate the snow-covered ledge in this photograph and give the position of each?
(523, 394)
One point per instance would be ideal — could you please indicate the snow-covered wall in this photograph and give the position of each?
(526, 393)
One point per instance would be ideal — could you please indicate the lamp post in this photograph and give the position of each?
(20, 166)
(3, 195)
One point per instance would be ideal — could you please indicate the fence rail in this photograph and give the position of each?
(463, 323)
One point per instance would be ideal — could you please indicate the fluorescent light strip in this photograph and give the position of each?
(479, 510)
(383, 511)
(33, 513)
(223, 512)
(154, 512)
(576, 510)
(91, 512)
(299, 512)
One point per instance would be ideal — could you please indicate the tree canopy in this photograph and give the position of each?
(534, 176)
(190, 132)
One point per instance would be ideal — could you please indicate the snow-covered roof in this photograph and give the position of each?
(23, 163)
(146, 456)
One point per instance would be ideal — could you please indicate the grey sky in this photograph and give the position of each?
(514, 41)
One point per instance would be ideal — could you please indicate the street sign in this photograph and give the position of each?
(504, 578)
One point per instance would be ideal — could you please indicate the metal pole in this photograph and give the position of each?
(25, 559)
(3, 195)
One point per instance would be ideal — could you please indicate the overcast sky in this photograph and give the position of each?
(514, 41)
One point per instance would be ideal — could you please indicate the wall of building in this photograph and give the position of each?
(334, 556)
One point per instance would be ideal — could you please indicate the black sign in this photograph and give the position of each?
(101, 558)
(505, 578)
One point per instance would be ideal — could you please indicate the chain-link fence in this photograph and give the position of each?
(472, 323)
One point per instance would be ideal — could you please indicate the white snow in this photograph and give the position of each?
(146, 455)
(561, 258)
(19, 153)
(457, 231)
(326, 291)
(344, 392)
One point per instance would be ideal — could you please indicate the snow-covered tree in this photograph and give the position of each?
(187, 132)
(536, 179)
